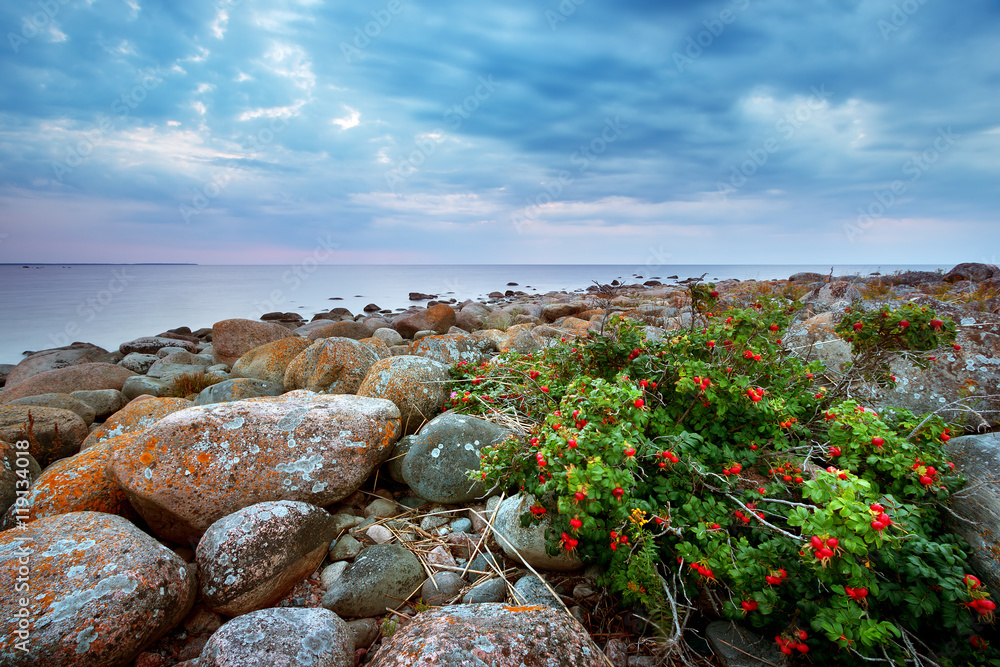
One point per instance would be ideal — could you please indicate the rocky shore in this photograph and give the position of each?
(282, 492)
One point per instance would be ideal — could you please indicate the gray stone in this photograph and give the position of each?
(529, 590)
(332, 572)
(169, 372)
(381, 508)
(153, 344)
(388, 336)
(60, 401)
(437, 465)
(417, 385)
(15, 464)
(974, 271)
(365, 631)
(805, 277)
(462, 525)
(237, 389)
(736, 646)
(140, 384)
(494, 590)
(381, 577)
(528, 543)
(395, 463)
(977, 457)
(251, 558)
(441, 588)
(105, 402)
(137, 362)
(59, 357)
(344, 548)
(281, 637)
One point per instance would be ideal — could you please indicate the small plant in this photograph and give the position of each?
(389, 626)
(185, 384)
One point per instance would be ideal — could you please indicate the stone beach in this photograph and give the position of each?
(312, 505)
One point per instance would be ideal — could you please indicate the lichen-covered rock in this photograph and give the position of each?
(415, 384)
(141, 385)
(345, 329)
(492, 634)
(380, 578)
(437, 318)
(815, 338)
(153, 344)
(330, 365)
(437, 465)
(67, 380)
(54, 433)
(198, 465)
(974, 271)
(99, 591)
(138, 362)
(231, 339)
(251, 558)
(134, 417)
(59, 357)
(377, 346)
(61, 401)
(453, 348)
(74, 484)
(523, 342)
(268, 362)
(18, 471)
(237, 390)
(281, 637)
(528, 543)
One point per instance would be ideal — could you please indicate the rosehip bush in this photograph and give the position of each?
(713, 458)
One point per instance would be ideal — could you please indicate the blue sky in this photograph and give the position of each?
(400, 131)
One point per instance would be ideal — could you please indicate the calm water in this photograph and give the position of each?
(106, 305)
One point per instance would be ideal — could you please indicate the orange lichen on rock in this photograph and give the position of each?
(136, 416)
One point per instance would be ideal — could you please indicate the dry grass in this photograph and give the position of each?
(191, 383)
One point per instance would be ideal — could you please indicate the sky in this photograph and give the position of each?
(548, 132)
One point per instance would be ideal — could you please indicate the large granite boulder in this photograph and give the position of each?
(450, 349)
(153, 344)
(78, 377)
(977, 457)
(101, 590)
(439, 318)
(60, 401)
(52, 433)
(974, 271)
(416, 385)
(380, 578)
(59, 357)
(18, 470)
(268, 362)
(331, 365)
(134, 417)
(198, 465)
(231, 339)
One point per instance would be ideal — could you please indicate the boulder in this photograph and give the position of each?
(415, 384)
(974, 271)
(528, 543)
(553, 311)
(61, 401)
(330, 365)
(195, 466)
(345, 329)
(815, 339)
(441, 588)
(134, 417)
(453, 348)
(140, 384)
(531, 590)
(833, 296)
(281, 637)
(492, 634)
(806, 277)
(59, 357)
(522, 341)
(180, 357)
(268, 362)
(914, 277)
(52, 432)
(231, 339)
(438, 318)
(239, 568)
(388, 336)
(153, 344)
(736, 646)
(382, 577)
(237, 390)
(67, 380)
(16, 465)
(977, 457)
(101, 591)
(74, 484)
(438, 463)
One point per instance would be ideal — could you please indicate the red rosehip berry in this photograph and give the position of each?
(714, 294)
(858, 326)
(832, 542)
(639, 403)
(835, 452)
(877, 441)
(773, 327)
(571, 443)
(945, 437)
(580, 495)
(575, 523)
(618, 492)
(936, 324)
(903, 324)
(749, 605)
(925, 480)
(544, 389)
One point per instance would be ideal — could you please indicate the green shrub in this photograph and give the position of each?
(714, 466)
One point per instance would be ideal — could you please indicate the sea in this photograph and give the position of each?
(51, 305)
